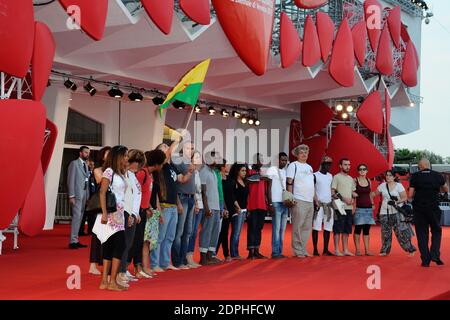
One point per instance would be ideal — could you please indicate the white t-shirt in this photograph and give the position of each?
(277, 190)
(382, 188)
(303, 188)
(133, 194)
(323, 186)
(198, 189)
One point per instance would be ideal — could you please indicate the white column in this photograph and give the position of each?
(56, 100)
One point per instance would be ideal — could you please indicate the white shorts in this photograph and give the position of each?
(327, 225)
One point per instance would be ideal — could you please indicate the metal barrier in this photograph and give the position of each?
(13, 228)
(63, 209)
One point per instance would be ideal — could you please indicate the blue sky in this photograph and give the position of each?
(434, 134)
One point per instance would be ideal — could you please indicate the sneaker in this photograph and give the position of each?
(130, 277)
(172, 267)
(157, 269)
(183, 267)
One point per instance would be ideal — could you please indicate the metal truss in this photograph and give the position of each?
(14, 87)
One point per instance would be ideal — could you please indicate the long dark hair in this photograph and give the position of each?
(101, 156)
(114, 159)
(235, 169)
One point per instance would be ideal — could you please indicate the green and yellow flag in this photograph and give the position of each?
(189, 87)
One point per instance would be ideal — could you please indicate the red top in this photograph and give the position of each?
(257, 193)
(144, 176)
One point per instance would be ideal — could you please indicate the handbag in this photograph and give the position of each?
(286, 196)
(93, 205)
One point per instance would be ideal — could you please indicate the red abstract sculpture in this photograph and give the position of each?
(370, 113)
(391, 152)
(197, 10)
(42, 61)
(395, 25)
(342, 62)
(294, 137)
(311, 46)
(359, 36)
(22, 123)
(17, 34)
(315, 115)
(49, 145)
(310, 4)
(325, 29)
(372, 14)
(387, 102)
(346, 143)
(317, 149)
(91, 15)
(249, 31)
(290, 43)
(161, 13)
(384, 60)
(32, 214)
(409, 69)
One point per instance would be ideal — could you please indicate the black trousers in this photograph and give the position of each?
(255, 224)
(90, 218)
(223, 238)
(138, 244)
(426, 219)
(96, 255)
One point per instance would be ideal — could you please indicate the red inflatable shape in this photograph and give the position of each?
(346, 143)
(384, 60)
(359, 36)
(317, 149)
(394, 21)
(342, 62)
(32, 215)
(387, 102)
(370, 113)
(92, 15)
(249, 31)
(295, 138)
(161, 13)
(310, 4)
(290, 43)
(49, 145)
(22, 125)
(43, 54)
(315, 115)
(325, 29)
(405, 34)
(311, 46)
(370, 14)
(409, 68)
(197, 10)
(391, 152)
(17, 35)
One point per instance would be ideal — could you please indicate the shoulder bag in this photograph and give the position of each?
(93, 205)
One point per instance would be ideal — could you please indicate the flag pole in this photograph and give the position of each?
(189, 120)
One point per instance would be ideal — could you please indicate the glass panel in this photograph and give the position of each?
(82, 130)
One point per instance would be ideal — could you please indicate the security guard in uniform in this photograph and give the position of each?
(425, 187)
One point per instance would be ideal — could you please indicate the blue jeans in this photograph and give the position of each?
(210, 226)
(279, 221)
(197, 218)
(184, 230)
(236, 226)
(215, 235)
(160, 257)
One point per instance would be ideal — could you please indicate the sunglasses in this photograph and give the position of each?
(362, 169)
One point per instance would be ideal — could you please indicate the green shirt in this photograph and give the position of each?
(219, 185)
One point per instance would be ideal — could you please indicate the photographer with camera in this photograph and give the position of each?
(394, 195)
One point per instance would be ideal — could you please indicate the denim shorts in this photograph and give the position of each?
(363, 216)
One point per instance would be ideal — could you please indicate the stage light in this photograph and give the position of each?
(224, 113)
(158, 101)
(197, 109)
(349, 108)
(115, 93)
(339, 107)
(70, 85)
(211, 111)
(257, 122)
(179, 105)
(236, 114)
(344, 116)
(244, 120)
(90, 89)
(135, 96)
(251, 121)
(412, 104)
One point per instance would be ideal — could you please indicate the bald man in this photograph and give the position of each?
(425, 187)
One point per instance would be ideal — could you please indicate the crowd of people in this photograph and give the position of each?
(152, 206)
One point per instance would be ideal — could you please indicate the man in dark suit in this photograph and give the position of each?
(77, 180)
(425, 187)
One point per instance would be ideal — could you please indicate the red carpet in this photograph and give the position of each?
(38, 271)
